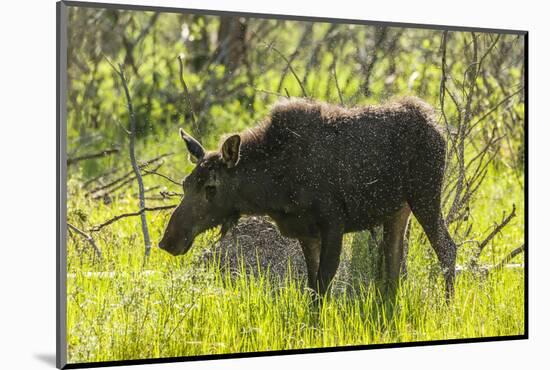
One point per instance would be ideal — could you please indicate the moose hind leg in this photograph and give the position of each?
(424, 197)
(394, 234)
(441, 241)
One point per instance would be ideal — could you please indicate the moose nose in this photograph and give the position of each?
(167, 247)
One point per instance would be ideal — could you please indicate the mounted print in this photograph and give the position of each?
(236, 185)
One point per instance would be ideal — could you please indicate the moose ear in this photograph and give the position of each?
(230, 150)
(196, 151)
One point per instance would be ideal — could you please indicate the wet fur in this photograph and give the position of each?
(320, 169)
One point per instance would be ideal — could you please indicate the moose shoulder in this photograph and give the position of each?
(319, 171)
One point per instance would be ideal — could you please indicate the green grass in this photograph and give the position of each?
(119, 309)
(179, 312)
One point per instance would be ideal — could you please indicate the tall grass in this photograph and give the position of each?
(179, 312)
(118, 309)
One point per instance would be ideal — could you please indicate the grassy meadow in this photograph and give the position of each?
(120, 306)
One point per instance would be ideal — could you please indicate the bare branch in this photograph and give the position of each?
(306, 36)
(268, 92)
(367, 67)
(154, 172)
(147, 190)
(133, 128)
(87, 237)
(147, 28)
(443, 88)
(101, 154)
(496, 230)
(131, 214)
(289, 65)
(127, 174)
(487, 52)
(170, 194)
(189, 103)
(504, 100)
(129, 179)
(99, 177)
(336, 82)
(510, 257)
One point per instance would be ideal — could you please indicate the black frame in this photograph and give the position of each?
(61, 194)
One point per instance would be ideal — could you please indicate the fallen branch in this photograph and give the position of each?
(87, 237)
(131, 214)
(510, 257)
(101, 154)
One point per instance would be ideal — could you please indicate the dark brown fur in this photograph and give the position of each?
(320, 171)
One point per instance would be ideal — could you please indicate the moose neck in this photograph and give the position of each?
(258, 192)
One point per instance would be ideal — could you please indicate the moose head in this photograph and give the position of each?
(209, 193)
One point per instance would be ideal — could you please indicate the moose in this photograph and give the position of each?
(320, 171)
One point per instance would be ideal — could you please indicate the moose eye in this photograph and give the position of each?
(210, 192)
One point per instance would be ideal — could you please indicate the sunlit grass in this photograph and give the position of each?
(184, 310)
(120, 309)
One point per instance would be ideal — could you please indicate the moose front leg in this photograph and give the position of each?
(394, 235)
(331, 247)
(312, 249)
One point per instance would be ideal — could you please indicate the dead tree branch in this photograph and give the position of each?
(289, 65)
(170, 194)
(154, 172)
(129, 179)
(188, 100)
(147, 190)
(336, 82)
(367, 66)
(306, 36)
(131, 214)
(267, 92)
(493, 109)
(130, 43)
(87, 237)
(99, 177)
(509, 257)
(464, 176)
(135, 167)
(125, 176)
(101, 154)
(498, 228)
